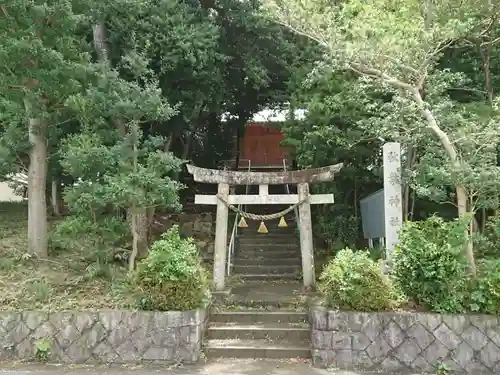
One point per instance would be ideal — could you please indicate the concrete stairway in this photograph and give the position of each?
(268, 256)
(262, 319)
(258, 334)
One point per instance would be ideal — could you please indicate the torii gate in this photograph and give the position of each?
(302, 178)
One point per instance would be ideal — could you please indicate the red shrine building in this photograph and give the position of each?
(260, 147)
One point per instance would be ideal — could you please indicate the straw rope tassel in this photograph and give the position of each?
(282, 223)
(242, 223)
(262, 228)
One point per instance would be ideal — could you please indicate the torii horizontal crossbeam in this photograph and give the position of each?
(264, 199)
(214, 176)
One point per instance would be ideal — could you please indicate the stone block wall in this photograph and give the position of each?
(199, 226)
(195, 225)
(405, 342)
(103, 337)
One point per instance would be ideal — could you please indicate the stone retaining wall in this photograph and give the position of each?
(103, 337)
(200, 227)
(194, 225)
(405, 342)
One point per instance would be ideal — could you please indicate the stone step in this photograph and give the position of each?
(268, 261)
(261, 240)
(254, 349)
(262, 261)
(266, 268)
(275, 251)
(275, 246)
(255, 317)
(271, 254)
(268, 238)
(269, 276)
(288, 332)
(265, 305)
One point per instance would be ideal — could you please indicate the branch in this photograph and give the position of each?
(327, 46)
(373, 72)
(302, 33)
(467, 89)
(471, 135)
(491, 42)
(434, 127)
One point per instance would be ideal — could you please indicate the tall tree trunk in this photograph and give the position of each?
(142, 233)
(37, 179)
(138, 216)
(238, 146)
(412, 209)
(56, 209)
(488, 84)
(185, 153)
(135, 241)
(453, 156)
(168, 143)
(150, 211)
(411, 159)
(138, 222)
(99, 39)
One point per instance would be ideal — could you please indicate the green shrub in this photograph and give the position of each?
(171, 277)
(352, 280)
(485, 288)
(94, 239)
(430, 265)
(93, 242)
(487, 244)
(338, 230)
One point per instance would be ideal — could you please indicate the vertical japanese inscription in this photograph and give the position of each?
(393, 215)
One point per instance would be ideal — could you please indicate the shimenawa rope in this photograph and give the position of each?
(248, 215)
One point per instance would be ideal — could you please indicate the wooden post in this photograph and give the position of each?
(220, 251)
(306, 236)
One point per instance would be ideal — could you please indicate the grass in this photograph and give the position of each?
(64, 281)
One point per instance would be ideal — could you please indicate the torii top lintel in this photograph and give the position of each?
(214, 176)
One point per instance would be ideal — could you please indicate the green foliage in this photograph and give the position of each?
(352, 280)
(444, 369)
(485, 288)
(488, 242)
(95, 242)
(171, 277)
(110, 179)
(339, 229)
(406, 90)
(45, 60)
(330, 134)
(210, 63)
(40, 290)
(43, 350)
(131, 172)
(430, 265)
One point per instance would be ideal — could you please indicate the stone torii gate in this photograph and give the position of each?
(225, 179)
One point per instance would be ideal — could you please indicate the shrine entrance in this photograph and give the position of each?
(225, 201)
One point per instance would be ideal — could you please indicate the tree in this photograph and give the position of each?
(396, 46)
(218, 61)
(42, 64)
(330, 133)
(131, 172)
